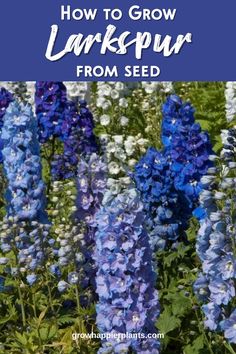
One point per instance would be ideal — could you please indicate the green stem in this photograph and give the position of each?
(34, 305)
(22, 306)
(201, 329)
(77, 298)
(228, 346)
(49, 164)
(49, 293)
(78, 306)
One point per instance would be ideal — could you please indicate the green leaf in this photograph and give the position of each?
(5, 319)
(168, 260)
(21, 338)
(66, 320)
(47, 332)
(181, 305)
(41, 316)
(167, 322)
(43, 332)
(52, 332)
(204, 124)
(196, 346)
(98, 130)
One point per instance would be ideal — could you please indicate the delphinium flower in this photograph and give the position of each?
(78, 90)
(19, 89)
(5, 99)
(22, 91)
(77, 244)
(60, 118)
(128, 301)
(122, 152)
(91, 183)
(6, 85)
(169, 180)
(87, 143)
(112, 102)
(188, 146)
(30, 94)
(215, 287)
(230, 98)
(25, 228)
(50, 100)
(60, 210)
(167, 211)
(152, 86)
(78, 141)
(108, 92)
(121, 136)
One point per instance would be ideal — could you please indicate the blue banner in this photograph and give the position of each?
(130, 40)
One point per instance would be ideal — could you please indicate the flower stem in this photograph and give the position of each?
(49, 293)
(22, 306)
(201, 329)
(34, 305)
(228, 346)
(77, 298)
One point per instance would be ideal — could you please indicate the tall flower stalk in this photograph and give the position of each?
(27, 231)
(169, 180)
(188, 146)
(128, 301)
(167, 211)
(78, 141)
(50, 101)
(215, 286)
(77, 245)
(5, 99)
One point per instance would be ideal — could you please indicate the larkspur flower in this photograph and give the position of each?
(212, 314)
(107, 92)
(230, 98)
(124, 121)
(128, 301)
(105, 119)
(169, 180)
(188, 146)
(5, 99)
(31, 279)
(151, 87)
(4, 288)
(30, 95)
(121, 151)
(79, 140)
(77, 244)
(22, 91)
(55, 270)
(62, 286)
(167, 211)
(229, 327)
(50, 101)
(78, 90)
(26, 217)
(216, 240)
